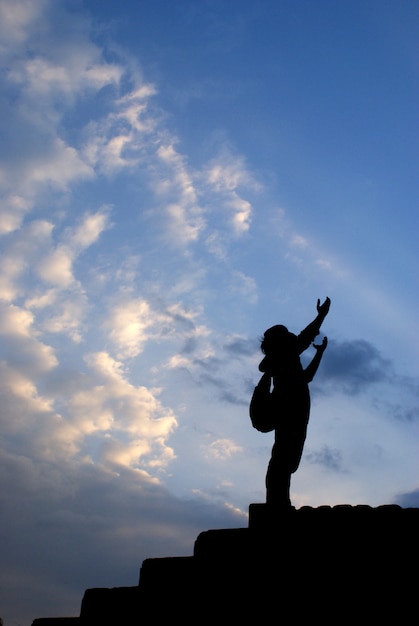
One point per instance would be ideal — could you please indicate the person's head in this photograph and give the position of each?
(274, 339)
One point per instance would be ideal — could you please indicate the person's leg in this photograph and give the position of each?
(278, 478)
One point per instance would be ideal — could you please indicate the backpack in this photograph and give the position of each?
(262, 410)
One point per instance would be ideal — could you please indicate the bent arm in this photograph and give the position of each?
(312, 367)
(310, 332)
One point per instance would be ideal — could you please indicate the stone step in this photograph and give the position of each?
(114, 606)
(166, 572)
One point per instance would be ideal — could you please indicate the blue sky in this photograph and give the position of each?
(175, 178)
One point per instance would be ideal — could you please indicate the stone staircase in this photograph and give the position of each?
(336, 564)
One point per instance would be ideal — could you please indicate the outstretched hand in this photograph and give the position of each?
(323, 309)
(322, 346)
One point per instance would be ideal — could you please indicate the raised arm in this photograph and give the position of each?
(312, 367)
(307, 336)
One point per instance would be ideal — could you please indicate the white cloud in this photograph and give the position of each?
(229, 177)
(59, 165)
(222, 449)
(128, 326)
(177, 310)
(133, 108)
(56, 267)
(57, 68)
(29, 254)
(180, 180)
(124, 453)
(23, 350)
(134, 420)
(133, 321)
(89, 229)
(66, 316)
(228, 173)
(12, 267)
(42, 299)
(242, 214)
(20, 252)
(118, 140)
(185, 227)
(15, 18)
(15, 321)
(245, 286)
(299, 241)
(44, 77)
(38, 87)
(129, 424)
(23, 402)
(179, 360)
(176, 182)
(12, 210)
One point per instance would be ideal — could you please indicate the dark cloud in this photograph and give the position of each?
(328, 457)
(229, 396)
(239, 347)
(225, 372)
(408, 500)
(352, 366)
(68, 528)
(402, 413)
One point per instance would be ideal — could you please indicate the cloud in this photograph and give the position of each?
(118, 140)
(103, 416)
(58, 301)
(302, 251)
(59, 165)
(181, 180)
(299, 241)
(185, 227)
(58, 75)
(56, 267)
(46, 78)
(228, 173)
(352, 366)
(222, 366)
(21, 252)
(409, 499)
(132, 424)
(404, 413)
(239, 346)
(70, 527)
(222, 449)
(244, 286)
(59, 68)
(38, 87)
(15, 20)
(30, 425)
(89, 230)
(328, 457)
(129, 325)
(401, 401)
(21, 349)
(228, 176)
(176, 182)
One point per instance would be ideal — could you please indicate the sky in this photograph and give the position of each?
(175, 178)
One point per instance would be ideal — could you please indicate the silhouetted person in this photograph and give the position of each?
(287, 406)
